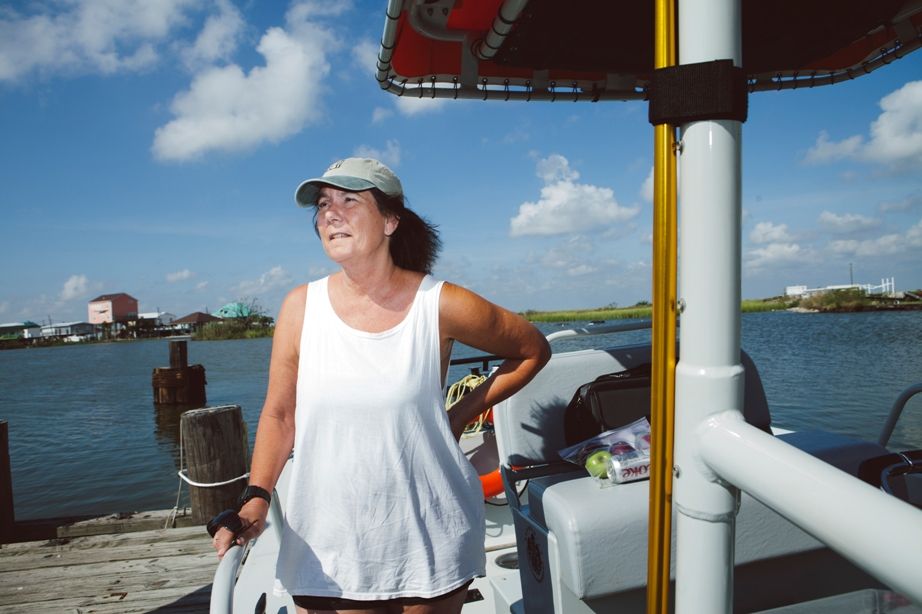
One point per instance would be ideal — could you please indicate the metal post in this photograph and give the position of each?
(709, 376)
(662, 390)
(7, 510)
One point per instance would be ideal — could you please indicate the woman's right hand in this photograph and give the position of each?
(253, 516)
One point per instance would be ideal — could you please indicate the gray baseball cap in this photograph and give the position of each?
(352, 174)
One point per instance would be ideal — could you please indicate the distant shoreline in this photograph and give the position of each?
(747, 306)
(831, 302)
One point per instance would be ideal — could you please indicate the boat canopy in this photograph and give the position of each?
(602, 50)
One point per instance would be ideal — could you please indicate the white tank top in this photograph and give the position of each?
(382, 502)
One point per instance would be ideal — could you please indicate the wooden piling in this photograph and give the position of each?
(214, 441)
(7, 515)
(179, 358)
(180, 383)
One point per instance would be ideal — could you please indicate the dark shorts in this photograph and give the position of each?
(338, 603)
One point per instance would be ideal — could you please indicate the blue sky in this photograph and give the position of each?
(153, 148)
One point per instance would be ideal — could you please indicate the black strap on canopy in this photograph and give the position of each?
(695, 92)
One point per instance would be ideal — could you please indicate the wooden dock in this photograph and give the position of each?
(150, 570)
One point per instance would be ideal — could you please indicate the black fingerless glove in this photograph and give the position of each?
(227, 519)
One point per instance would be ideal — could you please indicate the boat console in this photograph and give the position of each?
(582, 542)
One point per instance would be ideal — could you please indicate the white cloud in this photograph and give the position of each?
(227, 109)
(380, 114)
(885, 245)
(913, 201)
(274, 278)
(218, 38)
(566, 256)
(411, 105)
(847, 222)
(365, 55)
(895, 136)
(766, 232)
(555, 168)
(646, 190)
(581, 269)
(566, 206)
(94, 36)
(914, 235)
(775, 254)
(201, 285)
(825, 150)
(75, 287)
(179, 276)
(390, 155)
(304, 10)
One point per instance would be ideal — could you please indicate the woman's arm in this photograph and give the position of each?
(476, 322)
(275, 433)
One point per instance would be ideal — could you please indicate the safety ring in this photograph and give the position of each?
(492, 484)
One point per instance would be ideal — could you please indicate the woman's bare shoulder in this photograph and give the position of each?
(295, 299)
(291, 314)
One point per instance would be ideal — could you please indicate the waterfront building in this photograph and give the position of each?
(194, 321)
(159, 318)
(26, 330)
(887, 287)
(111, 308)
(234, 310)
(71, 331)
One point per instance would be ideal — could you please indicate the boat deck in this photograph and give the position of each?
(161, 570)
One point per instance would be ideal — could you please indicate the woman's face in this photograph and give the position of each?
(350, 224)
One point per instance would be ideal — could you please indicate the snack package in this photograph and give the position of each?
(616, 456)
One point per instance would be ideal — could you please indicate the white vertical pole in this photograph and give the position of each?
(709, 376)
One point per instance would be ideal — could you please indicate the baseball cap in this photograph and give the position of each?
(352, 174)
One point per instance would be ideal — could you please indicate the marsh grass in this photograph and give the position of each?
(232, 329)
(639, 311)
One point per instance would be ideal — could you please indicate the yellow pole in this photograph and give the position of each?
(662, 401)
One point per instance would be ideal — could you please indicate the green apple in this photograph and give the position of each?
(597, 463)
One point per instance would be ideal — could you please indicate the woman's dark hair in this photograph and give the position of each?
(415, 245)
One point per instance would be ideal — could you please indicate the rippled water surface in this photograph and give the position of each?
(85, 437)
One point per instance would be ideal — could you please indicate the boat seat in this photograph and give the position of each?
(530, 424)
(580, 542)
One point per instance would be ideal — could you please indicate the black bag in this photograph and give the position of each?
(610, 401)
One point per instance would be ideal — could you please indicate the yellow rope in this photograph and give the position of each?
(461, 388)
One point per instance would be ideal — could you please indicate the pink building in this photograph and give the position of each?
(119, 307)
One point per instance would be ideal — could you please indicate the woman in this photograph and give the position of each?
(384, 512)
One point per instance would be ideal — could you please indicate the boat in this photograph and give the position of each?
(739, 514)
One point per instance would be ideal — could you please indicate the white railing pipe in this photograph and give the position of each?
(874, 530)
(896, 411)
(604, 329)
(225, 578)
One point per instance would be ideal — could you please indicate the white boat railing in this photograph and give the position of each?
(225, 576)
(896, 411)
(601, 329)
(874, 530)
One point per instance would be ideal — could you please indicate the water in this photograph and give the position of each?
(85, 437)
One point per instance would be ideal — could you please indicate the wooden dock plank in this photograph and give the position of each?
(125, 522)
(164, 570)
(77, 578)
